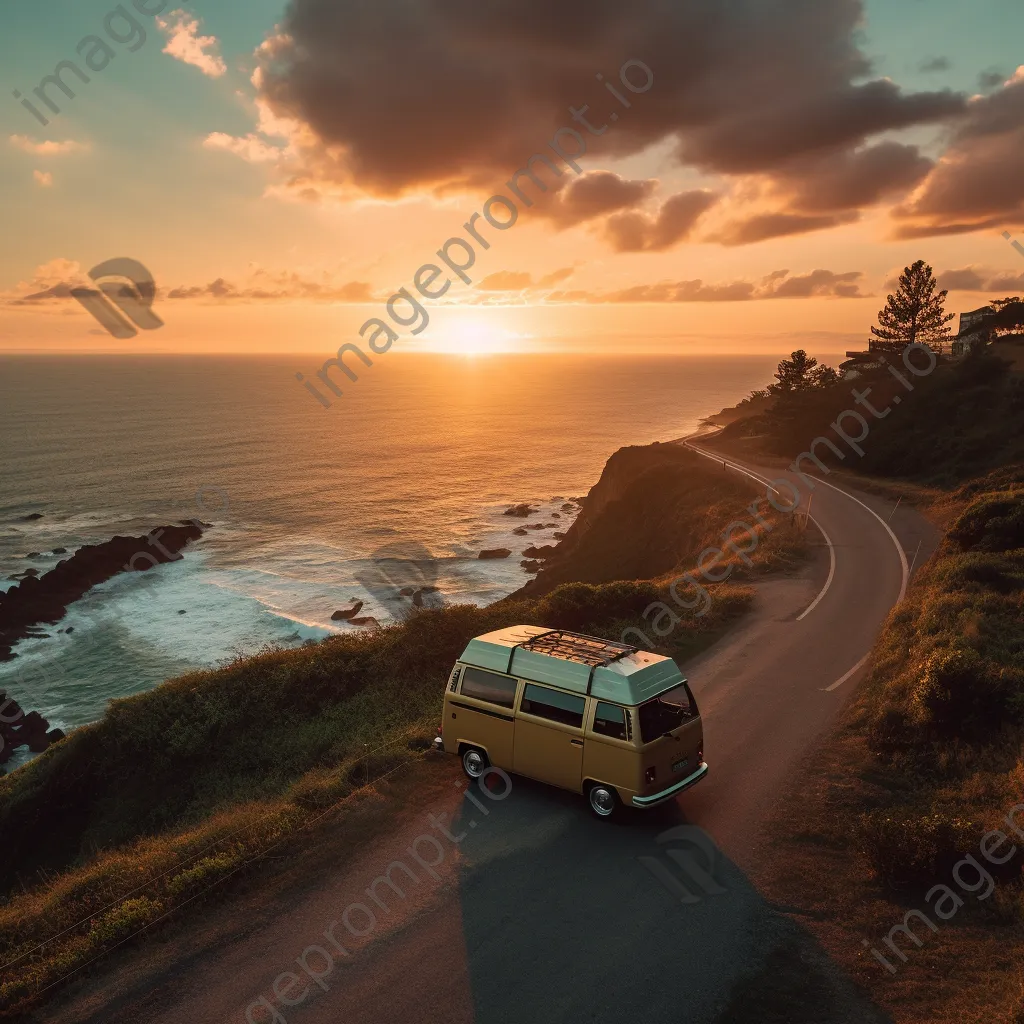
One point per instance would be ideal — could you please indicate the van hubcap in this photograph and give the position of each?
(602, 801)
(474, 762)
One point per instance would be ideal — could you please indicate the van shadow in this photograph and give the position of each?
(566, 917)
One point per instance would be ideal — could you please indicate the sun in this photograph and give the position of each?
(476, 338)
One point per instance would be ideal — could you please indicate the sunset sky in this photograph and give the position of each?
(283, 170)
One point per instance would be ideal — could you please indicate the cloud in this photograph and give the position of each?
(43, 178)
(506, 281)
(749, 90)
(634, 231)
(977, 279)
(52, 280)
(264, 285)
(520, 281)
(933, 64)
(185, 44)
(250, 148)
(990, 79)
(777, 285)
(761, 227)
(977, 183)
(47, 147)
(556, 277)
(594, 194)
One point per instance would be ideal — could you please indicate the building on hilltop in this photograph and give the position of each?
(975, 329)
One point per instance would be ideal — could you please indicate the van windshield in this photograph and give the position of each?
(667, 712)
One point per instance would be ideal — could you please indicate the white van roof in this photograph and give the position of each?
(574, 661)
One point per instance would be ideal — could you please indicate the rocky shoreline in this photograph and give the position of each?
(44, 600)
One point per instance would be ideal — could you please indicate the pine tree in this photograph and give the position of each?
(801, 372)
(915, 314)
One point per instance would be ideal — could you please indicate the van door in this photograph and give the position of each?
(482, 714)
(549, 736)
(672, 735)
(609, 749)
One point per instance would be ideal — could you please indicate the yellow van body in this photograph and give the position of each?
(592, 716)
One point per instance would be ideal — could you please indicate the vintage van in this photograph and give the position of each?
(615, 723)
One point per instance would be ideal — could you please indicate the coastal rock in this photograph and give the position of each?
(530, 565)
(31, 517)
(33, 554)
(44, 599)
(520, 531)
(536, 526)
(407, 592)
(522, 511)
(567, 507)
(55, 735)
(69, 630)
(545, 552)
(347, 613)
(558, 536)
(495, 553)
(556, 515)
(550, 526)
(364, 620)
(60, 551)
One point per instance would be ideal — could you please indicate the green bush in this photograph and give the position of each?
(906, 849)
(992, 522)
(124, 920)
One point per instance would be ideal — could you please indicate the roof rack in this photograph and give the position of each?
(587, 650)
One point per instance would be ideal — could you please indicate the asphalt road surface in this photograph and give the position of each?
(534, 911)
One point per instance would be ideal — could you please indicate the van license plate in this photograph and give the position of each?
(680, 765)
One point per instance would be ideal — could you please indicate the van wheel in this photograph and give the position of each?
(604, 801)
(474, 762)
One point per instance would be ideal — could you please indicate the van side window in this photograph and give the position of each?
(489, 686)
(610, 720)
(553, 704)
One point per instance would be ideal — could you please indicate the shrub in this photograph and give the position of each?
(124, 920)
(906, 849)
(992, 522)
(955, 688)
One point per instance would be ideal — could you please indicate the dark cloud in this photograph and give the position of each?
(854, 179)
(815, 284)
(595, 194)
(934, 64)
(978, 184)
(763, 226)
(443, 94)
(991, 79)
(635, 231)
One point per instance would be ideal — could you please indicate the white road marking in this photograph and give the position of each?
(856, 668)
(760, 479)
(885, 526)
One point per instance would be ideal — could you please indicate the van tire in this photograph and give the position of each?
(604, 801)
(474, 762)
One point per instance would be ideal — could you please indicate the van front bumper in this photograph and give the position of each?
(674, 790)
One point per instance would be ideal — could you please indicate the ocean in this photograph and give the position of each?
(311, 508)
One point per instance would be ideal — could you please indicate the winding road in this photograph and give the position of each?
(539, 913)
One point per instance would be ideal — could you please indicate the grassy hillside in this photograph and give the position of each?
(961, 421)
(179, 788)
(654, 509)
